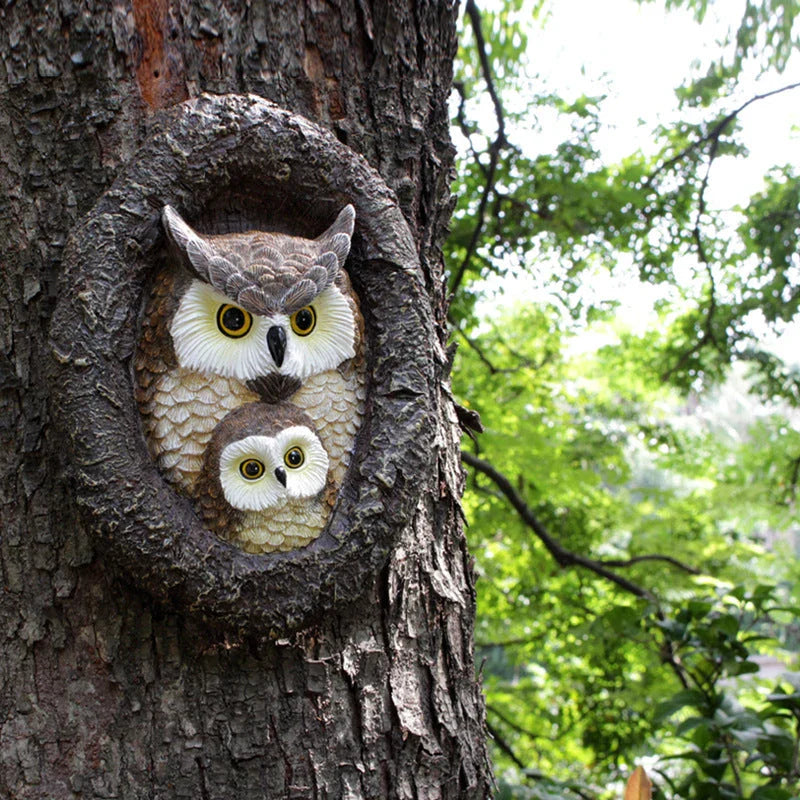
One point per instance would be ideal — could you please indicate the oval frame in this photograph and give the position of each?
(202, 149)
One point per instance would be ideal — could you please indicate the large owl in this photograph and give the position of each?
(245, 317)
(264, 484)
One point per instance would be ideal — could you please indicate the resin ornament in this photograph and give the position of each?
(243, 317)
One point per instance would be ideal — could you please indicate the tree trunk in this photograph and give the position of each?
(104, 692)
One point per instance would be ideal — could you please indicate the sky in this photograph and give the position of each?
(640, 53)
(636, 55)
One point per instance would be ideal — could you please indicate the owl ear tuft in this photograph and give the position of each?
(337, 238)
(196, 252)
(331, 263)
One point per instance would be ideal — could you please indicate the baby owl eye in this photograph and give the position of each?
(304, 320)
(251, 469)
(294, 457)
(233, 321)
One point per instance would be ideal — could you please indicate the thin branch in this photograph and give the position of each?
(562, 556)
(707, 336)
(794, 476)
(505, 746)
(522, 640)
(473, 345)
(524, 362)
(474, 15)
(566, 558)
(511, 724)
(494, 157)
(620, 564)
(497, 145)
(716, 131)
(531, 774)
(461, 113)
(464, 126)
(731, 749)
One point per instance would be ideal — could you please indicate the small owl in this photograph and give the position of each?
(246, 317)
(265, 484)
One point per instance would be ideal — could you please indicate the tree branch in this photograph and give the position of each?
(463, 125)
(505, 746)
(511, 724)
(497, 145)
(531, 774)
(474, 15)
(794, 476)
(565, 558)
(562, 556)
(716, 131)
(713, 136)
(522, 640)
(707, 335)
(619, 563)
(524, 362)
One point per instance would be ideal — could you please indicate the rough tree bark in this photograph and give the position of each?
(104, 693)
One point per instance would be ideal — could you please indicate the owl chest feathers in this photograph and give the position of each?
(289, 526)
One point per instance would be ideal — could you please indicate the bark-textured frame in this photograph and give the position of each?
(300, 175)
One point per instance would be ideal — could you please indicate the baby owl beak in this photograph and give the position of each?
(280, 474)
(276, 342)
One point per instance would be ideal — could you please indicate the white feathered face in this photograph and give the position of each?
(259, 472)
(214, 336)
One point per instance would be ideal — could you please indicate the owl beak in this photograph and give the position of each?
(276, 342)
(280, 474)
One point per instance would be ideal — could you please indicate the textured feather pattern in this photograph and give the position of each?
(287, 527)
(335, 401)
(260, 271)
(179, 420)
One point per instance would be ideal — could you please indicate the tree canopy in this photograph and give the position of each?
(632, 497)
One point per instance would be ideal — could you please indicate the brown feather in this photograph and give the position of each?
(154, 354)
(258, 269)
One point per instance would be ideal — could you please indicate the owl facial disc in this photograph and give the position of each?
(319, 336)
(212, 335)
(259, 472)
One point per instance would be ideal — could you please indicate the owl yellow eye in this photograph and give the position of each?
(294, 458)
(251, 469)
(304, 320)
(234, 321)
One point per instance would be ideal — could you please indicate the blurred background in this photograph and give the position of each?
(624, 266)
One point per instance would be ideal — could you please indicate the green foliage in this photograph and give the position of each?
(621, 518)
(573, 663)
(727, 747)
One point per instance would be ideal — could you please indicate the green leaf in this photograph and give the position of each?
(692, 698)
(772, 793)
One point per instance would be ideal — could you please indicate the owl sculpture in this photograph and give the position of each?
(264, 483)
(245, 317)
